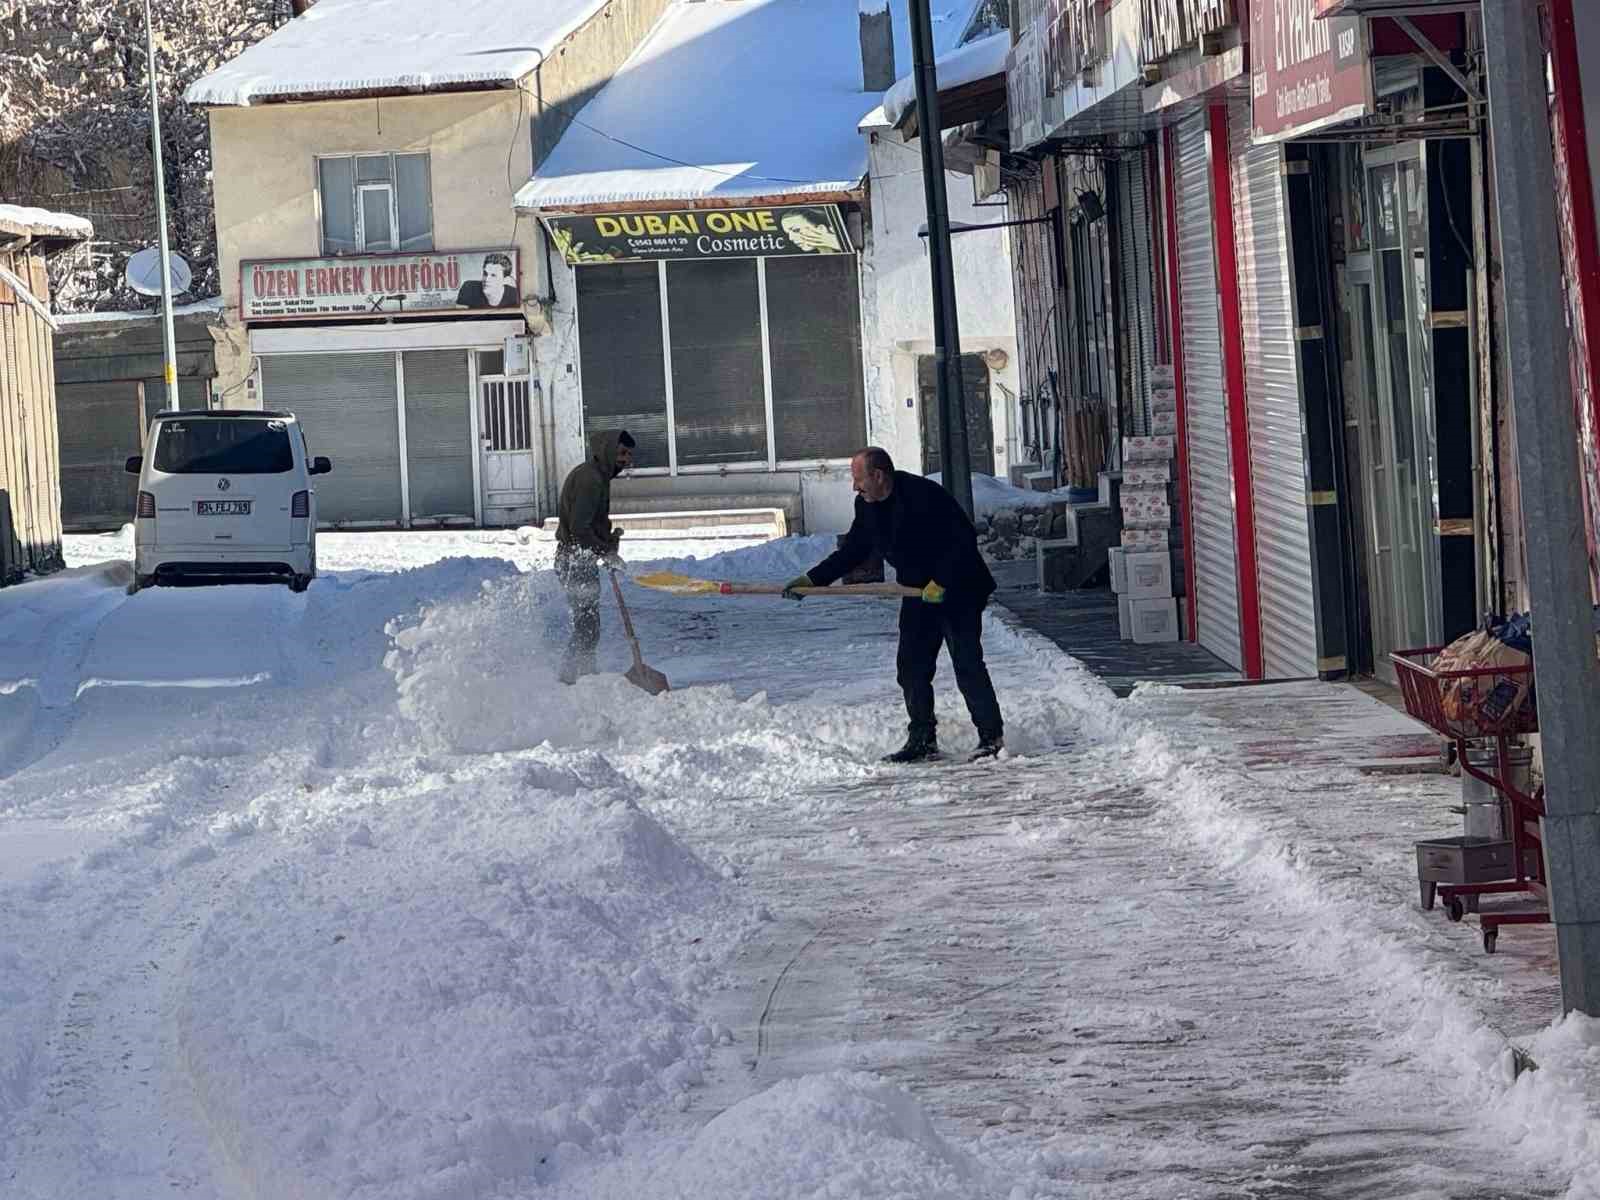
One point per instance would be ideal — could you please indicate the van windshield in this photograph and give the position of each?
(247, 446)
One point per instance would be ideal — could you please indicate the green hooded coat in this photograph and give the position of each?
(586, 498)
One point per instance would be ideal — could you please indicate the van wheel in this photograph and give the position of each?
(299, 583)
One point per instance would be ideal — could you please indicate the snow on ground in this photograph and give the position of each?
(340, 894)
(991, 494)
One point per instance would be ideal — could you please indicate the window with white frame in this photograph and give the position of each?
(375, 203)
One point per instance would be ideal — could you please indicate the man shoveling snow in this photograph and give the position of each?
(917, 527)
(586, 539)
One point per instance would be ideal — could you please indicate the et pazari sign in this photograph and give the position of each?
(622, 237)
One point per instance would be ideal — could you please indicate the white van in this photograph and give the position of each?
(225, 496)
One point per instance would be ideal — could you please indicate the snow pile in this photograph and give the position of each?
(991, 495)
(878, 1140)
(473, 987)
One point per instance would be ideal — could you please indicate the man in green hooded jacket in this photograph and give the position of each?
(586, 540)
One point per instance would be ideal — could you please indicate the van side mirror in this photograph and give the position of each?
(321, 465)
(134, 465)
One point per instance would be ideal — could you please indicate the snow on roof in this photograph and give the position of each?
(199, 308)
(360, 46)
(976, 60)
(40, 222)
(728, 99)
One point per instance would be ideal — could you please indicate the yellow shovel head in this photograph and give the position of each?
(678, 585)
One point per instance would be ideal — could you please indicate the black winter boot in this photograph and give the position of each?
(989, 746)
(918, 748)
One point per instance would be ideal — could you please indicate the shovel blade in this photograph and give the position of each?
(648, 679)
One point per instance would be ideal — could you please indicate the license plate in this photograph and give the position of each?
(222, 508)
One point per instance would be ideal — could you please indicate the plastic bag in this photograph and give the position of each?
(1491, 700)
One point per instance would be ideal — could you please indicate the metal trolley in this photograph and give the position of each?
(1423, 689)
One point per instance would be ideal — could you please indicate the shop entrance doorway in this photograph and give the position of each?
(1395, 404)
(506, 431)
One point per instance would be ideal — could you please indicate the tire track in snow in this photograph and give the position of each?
(49, 719)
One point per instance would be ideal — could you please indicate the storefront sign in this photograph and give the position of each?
(1305, 73)
(700, 233)
(355, 286)
(1174, 25)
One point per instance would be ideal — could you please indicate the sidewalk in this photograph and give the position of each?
(1377, 777)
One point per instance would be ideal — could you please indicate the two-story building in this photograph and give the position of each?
(453, 256)
(376, 278)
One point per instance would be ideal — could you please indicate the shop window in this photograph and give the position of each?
(621, 358)
(814, 325)
(718, 390)
(376, 203)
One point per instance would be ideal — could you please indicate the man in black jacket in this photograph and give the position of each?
(921, 531)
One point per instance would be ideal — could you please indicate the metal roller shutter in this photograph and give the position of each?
(346, 404)
(100, 428)
(439, 435)
(1278, 477)
(1216, 573)
(1138, 280)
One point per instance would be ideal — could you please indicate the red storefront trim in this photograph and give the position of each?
(1580, 182)
(1169, 178)
(1244, 514)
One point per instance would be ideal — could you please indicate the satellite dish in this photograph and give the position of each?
(144, 272)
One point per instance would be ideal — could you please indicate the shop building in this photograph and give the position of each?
(1295, 224)
(734, 264)
(30, 455)
(376, 279)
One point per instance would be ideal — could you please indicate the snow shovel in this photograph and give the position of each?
(641, 676)
(685, 585)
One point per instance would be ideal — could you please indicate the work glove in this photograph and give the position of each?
(799, 581)
(932, 593)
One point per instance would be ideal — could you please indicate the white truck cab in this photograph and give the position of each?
(225, 496)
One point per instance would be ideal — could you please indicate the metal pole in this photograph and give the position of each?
(171, 363)
(1535, 344)
(955, 461)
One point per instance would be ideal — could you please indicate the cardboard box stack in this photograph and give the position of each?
(1142, 567)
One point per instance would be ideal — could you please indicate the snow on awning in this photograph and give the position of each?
(728, 100)
(21, 221)
(357, 47)
(975, 61)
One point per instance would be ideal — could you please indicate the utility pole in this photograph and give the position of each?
(1535, 344)
(171, 365)
(954, 459)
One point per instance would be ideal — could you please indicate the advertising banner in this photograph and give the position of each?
(1306, 72)
(699, 233)
(379, 284)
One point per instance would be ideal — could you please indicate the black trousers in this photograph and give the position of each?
(579, 572)
(924, 628)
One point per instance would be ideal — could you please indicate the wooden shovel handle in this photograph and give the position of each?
(627, 621)
(895, 590)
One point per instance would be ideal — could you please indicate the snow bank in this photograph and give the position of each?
(472, 989)
(840, 1134)
(991, 495)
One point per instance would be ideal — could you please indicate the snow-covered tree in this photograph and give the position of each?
(75, 126)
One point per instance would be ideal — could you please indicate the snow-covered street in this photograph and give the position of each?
(341, 895)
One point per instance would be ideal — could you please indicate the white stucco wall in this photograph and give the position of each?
(265, 182)
(898, 306)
